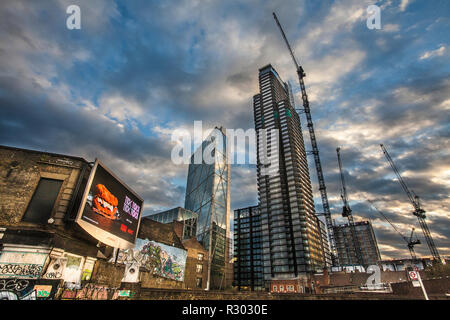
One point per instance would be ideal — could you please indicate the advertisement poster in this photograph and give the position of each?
(158, 258)
(110, 210)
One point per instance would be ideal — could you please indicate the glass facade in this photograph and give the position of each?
(248, 249)
(207, 194)
(367, 241)
(188, 218)
(291, 236)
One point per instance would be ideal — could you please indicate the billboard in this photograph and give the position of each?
(158, 258)
(110, 211)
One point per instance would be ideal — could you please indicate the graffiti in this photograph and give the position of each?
(13, 284)
(72, 271)
(69, 294)
(9, 295)
(42, 291)
(24, 289)
(31, 270)
(86, 274)
(158, 258)
(91, 292)
(124, 293)
(53, 275)
(56, 268)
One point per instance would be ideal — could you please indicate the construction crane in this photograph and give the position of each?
(410, 242)
(418, 211)
(347, 213)
(315, 150)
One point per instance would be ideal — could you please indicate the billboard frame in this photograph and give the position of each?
(98, 233)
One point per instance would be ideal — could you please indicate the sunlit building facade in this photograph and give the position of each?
(208, 195)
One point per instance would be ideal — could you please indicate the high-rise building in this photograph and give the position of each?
(291, 236)
(187, 217)
(345, 247)
(248, 273)
(208, 194)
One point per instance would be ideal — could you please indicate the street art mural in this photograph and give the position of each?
(158, 258)
(27, 289)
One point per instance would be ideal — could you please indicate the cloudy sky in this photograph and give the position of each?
(136, 70)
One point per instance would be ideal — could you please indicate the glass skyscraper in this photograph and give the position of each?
(291, 236)
(208, 194)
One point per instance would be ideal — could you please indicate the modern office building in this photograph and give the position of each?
(291, 235)
(367, 240)
(208, 195)
(187, 217)
(248, 273)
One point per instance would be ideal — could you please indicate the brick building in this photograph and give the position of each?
(37, 239)
(40, 193)
(299, 285)
(196, 265)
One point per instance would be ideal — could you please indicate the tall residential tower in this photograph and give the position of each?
(291, 236)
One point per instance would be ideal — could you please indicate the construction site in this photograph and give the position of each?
(93, 205)
(353, 246)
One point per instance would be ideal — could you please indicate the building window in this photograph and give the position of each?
(281, 288)
(290, 288)
(200, 257)
(198, 282)
(41, 205)
(199, 268)
(275, 288)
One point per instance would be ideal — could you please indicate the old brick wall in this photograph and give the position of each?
(156, 294)
(153, 281)
(190, 275)
(160, 232)
(107, 274)
(432, 286)
(20, 172)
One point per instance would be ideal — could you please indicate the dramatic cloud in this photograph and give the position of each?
(137, 70)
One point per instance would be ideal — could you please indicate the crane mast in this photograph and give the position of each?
(347, 212)
(418, 211)
(315, 150)
(410, 242)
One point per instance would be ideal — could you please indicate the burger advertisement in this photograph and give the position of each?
(110, 210)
